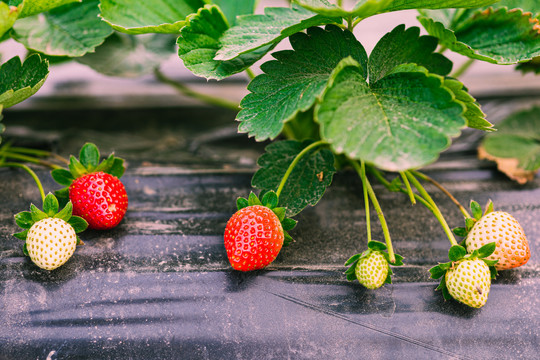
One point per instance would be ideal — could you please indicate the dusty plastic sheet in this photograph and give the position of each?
(159, 285)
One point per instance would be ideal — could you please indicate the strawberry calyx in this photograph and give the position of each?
(270, 200)
(26, 219)
(373, 246)
(477, 213)
(87, 163)
(457, 254)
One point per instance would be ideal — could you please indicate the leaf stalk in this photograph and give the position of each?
(295, 162)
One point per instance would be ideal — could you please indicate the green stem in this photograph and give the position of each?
(387, 184)
(408, 187)
(340, 3)
(350, 25)
(366, 199)
(462, 69)
(250, 73)
(380, 214)
(32, 174)
(442, 49)
(208, 99)
(295, 162)
(443, 189)
(37, 152)
(30, 159)
(436, 210)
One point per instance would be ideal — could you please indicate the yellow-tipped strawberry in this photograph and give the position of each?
(50, 235)
(512, 248)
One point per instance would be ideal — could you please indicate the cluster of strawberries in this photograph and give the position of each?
(493, 241)
(93, 197)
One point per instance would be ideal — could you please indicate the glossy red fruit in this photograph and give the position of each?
(253, 238)
(100, 199)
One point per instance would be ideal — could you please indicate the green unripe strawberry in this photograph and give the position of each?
(372, 267)
(372, 270)
(468, 281)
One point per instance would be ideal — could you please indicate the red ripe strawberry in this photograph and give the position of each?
(100, 199)
(253, 238)
(512, 247)
(94, 188)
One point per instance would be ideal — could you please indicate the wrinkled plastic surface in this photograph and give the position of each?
(160, 286)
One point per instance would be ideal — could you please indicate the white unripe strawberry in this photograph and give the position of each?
(50, 243)
(468, 281)
(512, 249)
(372, 270)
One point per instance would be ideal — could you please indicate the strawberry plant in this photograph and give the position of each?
(324, 104)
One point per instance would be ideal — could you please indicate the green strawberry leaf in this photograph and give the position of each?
(129, 55)
(241, 203)
(78, 224)
(518, 137)
(442, 286)
(62, 176)
(252, 32)
(20, 81)
(89, 156)
(489, 207)
(476, 118)
(460, 231)
(33, 7)
(436, 272)
(253, 199)
(388, 279)
(288, 224)
(24, 220)
(8, 14)
(490, 262)
(62, 195)
(457, 252)
(199, 42)
(398, 262)
(76, 168)
(280, 213)
(25, 250)
(493, 271)
(37, 214)
(232, 9)
(476, 210)
(150, 16)
(295, 80)
(64, 31)
(487, 250)
(469, 223)
(306, 183)
(390, 52)
(376, 245)
(79, 241)
(50, 205)
(117, 169)
(66, 213)
(352, 275)
(353, 259)
(287, 239)
(498, 36)
(400, 122)
(21, 235)
(532, 65)
(270, 199)
(367, 8)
